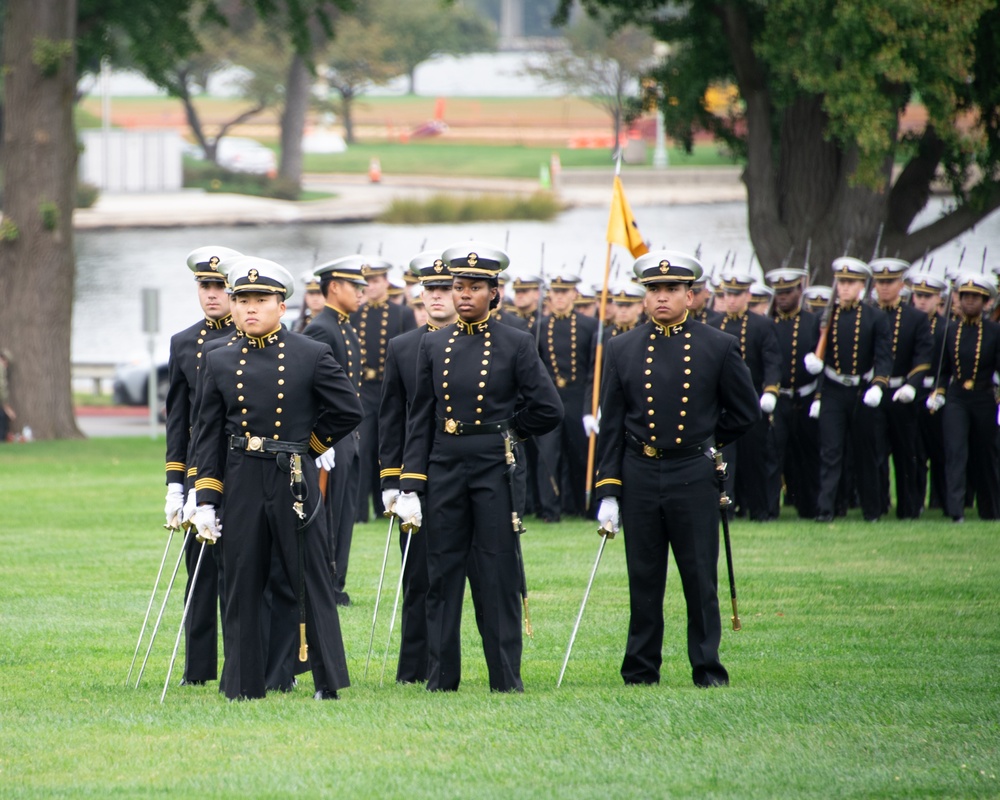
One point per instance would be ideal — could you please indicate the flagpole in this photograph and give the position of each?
(595, 399)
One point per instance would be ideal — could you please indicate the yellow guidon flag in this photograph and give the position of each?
(621, 224)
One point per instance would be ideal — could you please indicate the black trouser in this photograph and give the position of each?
(754, 459)
(412, 667)
(201, 629)
(259, 517)
(341, 501)
(369, 483)
(930, 454)
(671, 505)
(564, 452)
(899, 422)
(796, 456)
(469, 532)
(970, 440)
(843, 415)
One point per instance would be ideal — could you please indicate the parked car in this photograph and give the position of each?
(240, 154)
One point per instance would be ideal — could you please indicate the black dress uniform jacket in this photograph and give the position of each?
(284, 387)
(471, 378)
(201, 629)
(667, 395)
(376, 324)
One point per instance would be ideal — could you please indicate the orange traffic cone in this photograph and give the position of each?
(374, 170)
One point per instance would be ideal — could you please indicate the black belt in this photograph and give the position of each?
(649, 451)
(459, 428)
(258, 444)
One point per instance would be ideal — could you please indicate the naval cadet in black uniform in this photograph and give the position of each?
(568, 345)
(477, 383)
(796, 434)
(201, 628)
(855, 373)
(342, 284)
(270, 403)
(967, 394)
(505, 315)
(702, 300)
(749, 458)
(912, 354)
(398, 391)
(671, 390)
(527, 291)
(626, 311)
(376, 322)
(926, 290)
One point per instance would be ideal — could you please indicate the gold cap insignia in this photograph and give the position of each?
(473, 259)
(366, 270)
(438, 265)
(664, 266)
(252, 276)
(213, 263)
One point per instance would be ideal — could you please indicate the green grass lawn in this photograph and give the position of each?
(866, 667)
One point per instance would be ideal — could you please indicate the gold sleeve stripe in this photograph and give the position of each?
(210, 484)
(176, 466)
(316, 444)
(917, 369)
(772, 389)
(390, 472)
(413, 475)
(192, 471)
(609, 482)
(881, 379)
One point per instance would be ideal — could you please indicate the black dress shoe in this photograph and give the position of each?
(326, 694)
(186, 682)
(958, 519)
(824, 517)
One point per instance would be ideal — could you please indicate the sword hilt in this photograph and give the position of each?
(303, 647)
(606, 531)
(737, 625)
(527, 619)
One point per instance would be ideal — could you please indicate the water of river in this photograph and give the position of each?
(113, 267)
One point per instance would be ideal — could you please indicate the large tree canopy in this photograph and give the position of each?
(825, 88)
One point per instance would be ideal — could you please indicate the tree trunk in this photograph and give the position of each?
(293, 121)
(36, 238)
(411, 75)
(346, 99)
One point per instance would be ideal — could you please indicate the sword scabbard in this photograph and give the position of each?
(303, 647)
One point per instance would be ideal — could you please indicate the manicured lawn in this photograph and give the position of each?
(866, 667)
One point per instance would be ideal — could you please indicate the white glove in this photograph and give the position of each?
(206, 525)
(327, 460)
(607, 513)
(872, 397)
(174, 505)
(935, 402)
(767, 402)
(904, 394)
(388, 498)
(591, 425)
(408, 510)
(928, 382)
(190, 506)
(814, 364)
(814, 410)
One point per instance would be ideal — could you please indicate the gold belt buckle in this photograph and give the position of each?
(969, 384)
(649, 451)
(370, 373)
(561, 382)
(451, 426)
(255, 443)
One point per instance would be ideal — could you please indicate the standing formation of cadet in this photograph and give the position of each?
(186, 350)
(270, 403)
(376, 322)
(671, 390)
(478, 384)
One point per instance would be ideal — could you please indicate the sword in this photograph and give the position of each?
(149, 607)
(724, 503)
(605, 533)
(395, 604)
(163, 606)
(180, 630)
(518, 527)
(381, 578)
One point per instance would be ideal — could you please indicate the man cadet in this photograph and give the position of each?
(816, 297)
(856, 367)
(748, 460)
(568, 345)
(796, 435)
(912, 346)
(672, 389)
(926, 293)
(479, 384)
(343, 286)
(376, 322)
(702, 299)
(501, 314)
(966, 393)
(270, 403)
(398, 390)
(527, 290)
(313, 301)
(201, 629)
(626, 310)
(761, 297)
(586, 300)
